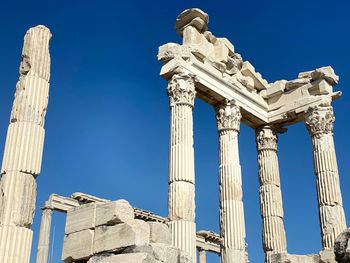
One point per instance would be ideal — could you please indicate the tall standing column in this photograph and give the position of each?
(319, 122)
(181, 92)
(274, 236)
(23, 148)
(232, 224)
(44, 235)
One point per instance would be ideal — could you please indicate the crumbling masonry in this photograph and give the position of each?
(203, 66)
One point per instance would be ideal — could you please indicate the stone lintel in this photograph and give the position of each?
(282, 106)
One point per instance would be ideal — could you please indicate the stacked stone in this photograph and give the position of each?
(24, 147)
(274, 236)
(109, 233)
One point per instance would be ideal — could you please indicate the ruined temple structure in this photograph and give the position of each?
(204, 66)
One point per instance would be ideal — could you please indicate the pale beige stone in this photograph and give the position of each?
(192, 17)
(232, 225)
(160, 233)
(113, 212)
(249, 71)
(326, 73)
(44, 235)
(296, 83)
(128, 258)
(81, 218)
(159, 251)
(117, 237)
(24, 147)
(77, 246)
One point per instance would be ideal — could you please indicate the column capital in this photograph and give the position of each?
(47, 210)
(266, 138)
(181, 89)
(319, 120)
(228, 116)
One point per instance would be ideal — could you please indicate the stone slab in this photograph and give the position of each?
(80, 218)
(118, 237)
(77, 246)
(159, 233)
(113, 213)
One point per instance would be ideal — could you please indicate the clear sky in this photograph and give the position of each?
(107, 127)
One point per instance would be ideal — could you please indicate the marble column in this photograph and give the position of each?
(319, 122)
(44, 235)
(181, 92)
(23, 148)
(274, 236)
(232, 226)
(202, 255)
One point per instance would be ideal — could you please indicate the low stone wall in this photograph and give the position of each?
(109, 233)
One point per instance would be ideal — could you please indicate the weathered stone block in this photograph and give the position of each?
(160, 233)
(77, 246)
(114, 212)
(159, 251)
(80, 218)
(126, 258)
(21, 208)
(117, 237)
(326, 73)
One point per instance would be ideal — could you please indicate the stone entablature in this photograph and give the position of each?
(221, 73)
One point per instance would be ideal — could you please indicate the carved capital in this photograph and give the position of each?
(266, 138)
(181, 89)
(319, 120)
(228, 116)
(46, 211)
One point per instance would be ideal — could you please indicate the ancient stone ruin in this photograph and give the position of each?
(204, 66)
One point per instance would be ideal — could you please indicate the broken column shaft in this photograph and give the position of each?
(23, 148)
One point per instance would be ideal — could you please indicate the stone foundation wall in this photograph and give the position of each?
(109, 233)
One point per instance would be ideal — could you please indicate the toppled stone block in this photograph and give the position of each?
(162, 252)
(326, 73)
(117, 237)
(342, 247)
(80, 218)
(159, 233)
(112, 213)
(192, 17)
(78, 246)
(126, 258)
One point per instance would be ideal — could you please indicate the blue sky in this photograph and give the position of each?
(107, 127)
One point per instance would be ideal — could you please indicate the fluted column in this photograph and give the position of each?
(319, 122)
(274, 236)
(23, 148)
(181, 92)
(232, 224)
(202, 256)
(44, 235)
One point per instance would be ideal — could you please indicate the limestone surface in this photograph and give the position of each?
(117, 237)
(114, 212)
